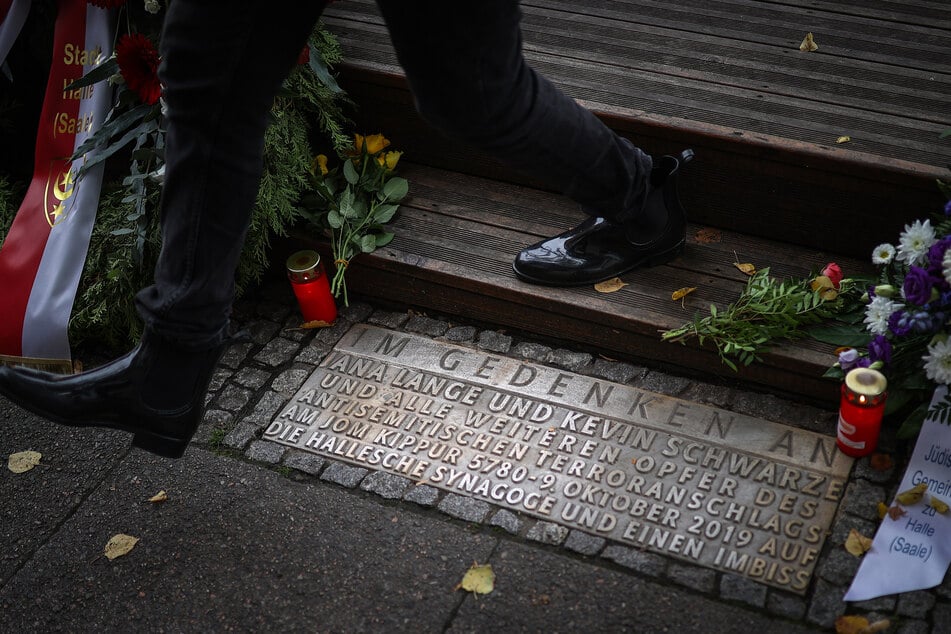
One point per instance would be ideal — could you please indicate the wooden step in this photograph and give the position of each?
(725, 77)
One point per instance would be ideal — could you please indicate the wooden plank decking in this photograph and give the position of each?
(723, 76)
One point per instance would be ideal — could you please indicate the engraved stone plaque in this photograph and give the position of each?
(702, 484)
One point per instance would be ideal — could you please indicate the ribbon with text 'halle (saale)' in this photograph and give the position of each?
(42, 256)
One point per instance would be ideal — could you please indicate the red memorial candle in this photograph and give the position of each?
(860, 411)
(310, 284)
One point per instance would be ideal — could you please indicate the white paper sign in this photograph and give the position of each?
(913, 551)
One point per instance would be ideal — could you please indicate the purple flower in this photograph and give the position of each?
(935, 259)
(917, 286)
(947, 208)
(898, 323)
(848, 359)
(880, 349)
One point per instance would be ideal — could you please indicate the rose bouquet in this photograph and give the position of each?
(903, 327)
(353, 202)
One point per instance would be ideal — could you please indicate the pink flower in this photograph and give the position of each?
(834, 273)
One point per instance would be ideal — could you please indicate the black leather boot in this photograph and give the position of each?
(155, 392)
(599, 249)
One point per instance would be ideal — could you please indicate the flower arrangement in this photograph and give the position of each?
(353, 202)
(903, 327)
(125, 240)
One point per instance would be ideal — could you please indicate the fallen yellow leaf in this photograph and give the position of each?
(479, 579)
(746, 267)
(610, 286)
(857, 544)
(843, 139)
(913, 495)
(808, 44)
(882, 510)
(161, 496)
(939, 505)
(850, 624)
(707, 235)
(23, 461)
(119, 545)
(317, 323)
(682, 292)
(896, 512)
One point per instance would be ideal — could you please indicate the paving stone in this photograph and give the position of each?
(863, 469)
(387, 319)
(277, 352)
(213, 423)
(262, 331)
(532, 351)
(386, 485)
(241, 435)
(638, 560)
(292, 328)
(861, 498)
(878, 604)
(507, 521)
(571, 360)
(839, 567)
(743, 589)
(344, 474)
(615, 370)
(844, 523)
(702, 579)
(584, 543)
(427, 326)
(662, 383)
(266, 451)
(235, 355)
(218, 378)
(251, 378)
(826, 605)
(547, 533)
(274, 311)
(708, 394)
(355, 313)
(906, 626)
(289, 381)
(314, 353)
(304, 461)
(461, 333)
(423, 495)
(494, 341)
(332, 334)
(464, 508)
(233, 398)
(916, 604)
(786, 605)
(941, 617)
(267, 407)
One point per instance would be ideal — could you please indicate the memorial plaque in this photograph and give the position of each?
(702, 484)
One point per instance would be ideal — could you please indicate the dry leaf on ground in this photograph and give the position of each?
(707, 236)
(912, 495)
(161, 496)
(880, 461)
(882, 510)
(680, 293)
(479, 579)
(896, 512)
(857, 544)
(317, 323)
(23, 461)
(843, 139)
(610, 286)
(119, 545)
(746, 267)
(808, 44)
(859, 625)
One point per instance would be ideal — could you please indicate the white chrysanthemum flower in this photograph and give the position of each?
(883, 254)
(915, 241)
(877, 314)
(938, 362)
(946, 266)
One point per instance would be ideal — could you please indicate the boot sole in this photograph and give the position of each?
(652, 260)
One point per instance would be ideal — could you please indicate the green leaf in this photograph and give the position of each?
(840, 335)
(383, 239)
(368, 243)
(334, 219)
(347, 209)
(350, 172)
(103, 71)
(395, 189)
(385, 213)
(320, 69)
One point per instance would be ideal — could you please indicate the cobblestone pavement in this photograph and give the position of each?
(257, 536)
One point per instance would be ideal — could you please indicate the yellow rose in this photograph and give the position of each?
(389, 160)
(824, 286)
(319, 162)
(374, 143)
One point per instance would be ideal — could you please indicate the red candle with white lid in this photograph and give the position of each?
(861, 407)
(311, 287)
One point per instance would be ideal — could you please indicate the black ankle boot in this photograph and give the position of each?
(599, 249)
(156, 392)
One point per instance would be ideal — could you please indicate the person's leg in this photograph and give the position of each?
(465, 66)
(223, 63)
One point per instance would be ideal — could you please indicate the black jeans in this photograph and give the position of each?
(223, 63)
